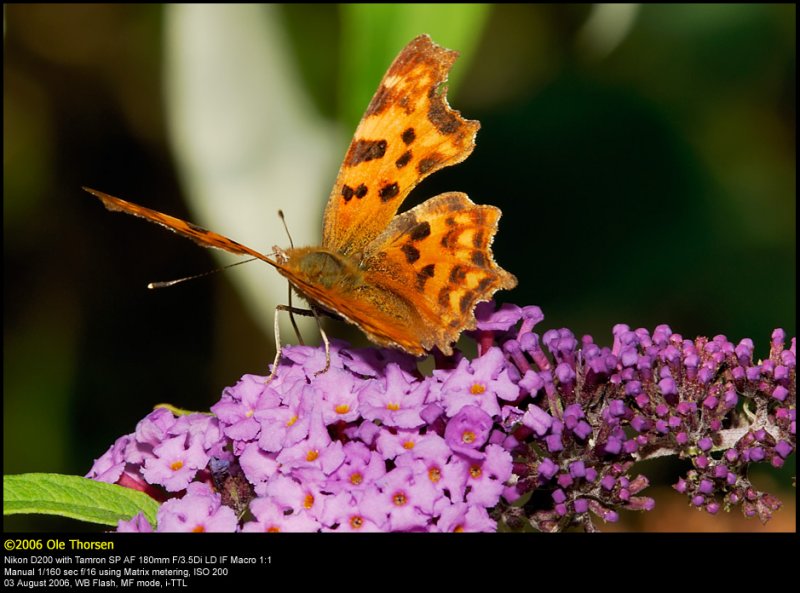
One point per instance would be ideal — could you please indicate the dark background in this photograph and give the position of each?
(646, 176)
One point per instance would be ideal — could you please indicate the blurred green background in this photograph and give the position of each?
(643, 157)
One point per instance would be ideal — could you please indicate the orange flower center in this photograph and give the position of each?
(477, 389)
(399, 498)
(468, 437)
(356, 522)
(342, 409)
(475, 471)
(312, 455)
(356, 478)
(291, 421)
(199, 529)
(308, 502)
(273, 529)
(392, 406)
(176, 465)
(408, 445)
(434, 474)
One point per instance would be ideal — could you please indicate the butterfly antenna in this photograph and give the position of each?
(286, 228)
(168, 283)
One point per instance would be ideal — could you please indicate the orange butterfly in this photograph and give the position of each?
(409, 281)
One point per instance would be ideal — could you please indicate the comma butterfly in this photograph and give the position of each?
(411, 280)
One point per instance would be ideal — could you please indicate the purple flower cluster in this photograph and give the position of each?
(369, 445)
(546, 422)
(595, 411)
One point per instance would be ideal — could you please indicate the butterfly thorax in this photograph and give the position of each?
(308, 267)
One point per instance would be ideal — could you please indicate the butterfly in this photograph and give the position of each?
(410, 280)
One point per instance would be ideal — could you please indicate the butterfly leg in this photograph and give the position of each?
(291, 318)
(279, 348)
(325, 341)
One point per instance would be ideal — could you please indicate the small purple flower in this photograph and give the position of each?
(401, 500)
(338, 395)
(462, 517)
(272, 518)
(258, 466)
(479, 383)
(467, 431)
(502, 319)
(706, 487)
(137, 524)
(240, 403)
(372, 362)
(304, 496)
(537, 419)
(361, 467)
(198, 511)
(577, 469)
(486, 477)
(447, 473)
(397, 402)
(547, 469)
(391, 443)
(174, 465)
(705, 444)
(317, 451)
(108, 467)
(342, 514)
(309, 360)
(554, 443)
(152, 429)
(784, 449)
(289, 423)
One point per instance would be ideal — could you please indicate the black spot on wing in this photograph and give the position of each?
(426, 164)
(466, 301)
(420, 232)
(347, 192)
(411, 252)
(403, 160)
(365, 150)
(423, 275)
(389, 191)
(458, 274)
(380, 101)
(478, 259)
(440, 116)
(409, 136)
(450, 239)
(443, 297)
(484, 284)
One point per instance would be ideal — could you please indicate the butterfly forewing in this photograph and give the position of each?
(407, 133)
(197, 234)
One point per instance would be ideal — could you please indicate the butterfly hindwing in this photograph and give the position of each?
(438, 257)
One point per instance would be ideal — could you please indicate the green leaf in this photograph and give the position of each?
(74, 497)
(373, 34)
